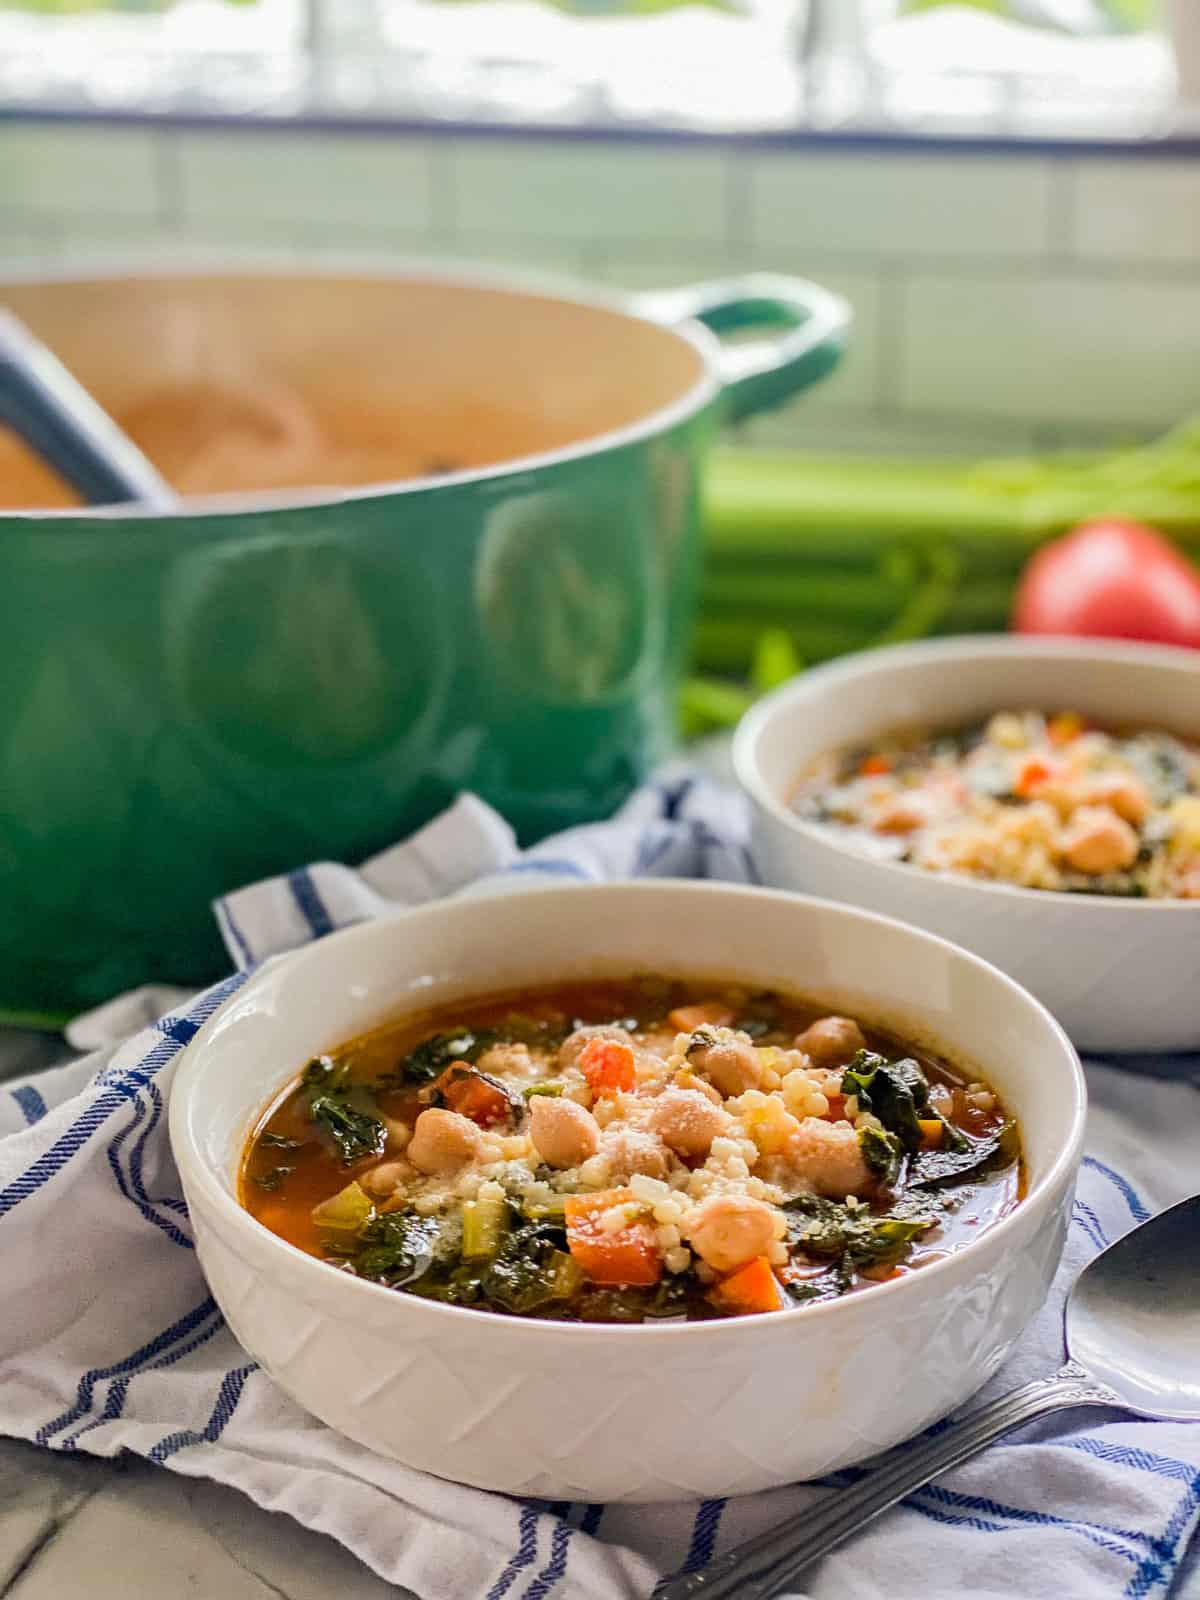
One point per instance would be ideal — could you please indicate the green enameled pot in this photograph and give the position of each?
(496, 596)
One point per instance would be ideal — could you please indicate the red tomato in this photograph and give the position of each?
(1111, 580)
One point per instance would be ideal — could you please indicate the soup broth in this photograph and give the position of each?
(630, 1151)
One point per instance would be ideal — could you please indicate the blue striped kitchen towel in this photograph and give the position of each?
(109, 1340)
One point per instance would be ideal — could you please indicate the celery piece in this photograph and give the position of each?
(709, 703)
(345, 1212)
(568, 1276)
(484, 1224)
(552, 1210)
(776, 659)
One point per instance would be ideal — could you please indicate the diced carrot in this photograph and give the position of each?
(629, 1255)
(1032, 775)
(1064, 727)
(607, 1064)
(875, 766)
(705, 1014)
(751, 1288)
(473, 1096)
(837, 1106)
(932, 1129)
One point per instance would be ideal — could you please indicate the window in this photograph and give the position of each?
(1057, 67)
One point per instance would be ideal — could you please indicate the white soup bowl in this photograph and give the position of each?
(1119, 974)
(618, 1412)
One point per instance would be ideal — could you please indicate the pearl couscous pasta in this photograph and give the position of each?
(627, 1151)
(1042, 802)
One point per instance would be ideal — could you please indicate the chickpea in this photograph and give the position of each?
(1099, 841)
(564, 1134)
(727, 1059)
(688, 1121)
(443, 1141)
(685, 1078)
(572, 1046)
(727, 1230)
(634, 1151)
(831, 1041)
(901, 814)
(826, 1156)
(383, 1181)
(506, 1060)
(1120, 792)
(398, 1135)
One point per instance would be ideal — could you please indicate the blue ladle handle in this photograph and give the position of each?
(60, 422)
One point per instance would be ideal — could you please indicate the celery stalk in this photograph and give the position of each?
(345, 1212)
(484, 1224)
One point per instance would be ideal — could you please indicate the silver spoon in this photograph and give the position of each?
(1133, 1342)
(60, 421)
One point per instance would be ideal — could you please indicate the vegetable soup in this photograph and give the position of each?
(630, 1151)
(1038, 801)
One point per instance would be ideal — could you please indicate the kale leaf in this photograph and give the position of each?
(429, 1059)
(968, 1158)
(895, 1092)
(883, 1154)
(330, 1105)
(521, 1276)
(280, 1141)
(396, 1248)
(850, 1236)
(271, 1181)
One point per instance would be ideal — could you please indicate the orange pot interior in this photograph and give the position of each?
(250, 382)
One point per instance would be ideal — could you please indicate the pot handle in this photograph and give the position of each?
(764, 373)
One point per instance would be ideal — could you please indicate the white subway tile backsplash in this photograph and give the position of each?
(633, 267)
(999, 302)
(532, 258)
(379, 184)
(851, 433)
(112, 243)
(1137, 211)
(29, 249)
(855, 385)
(50, 172)
(589, 193)
(898, 206)
(1061, 348)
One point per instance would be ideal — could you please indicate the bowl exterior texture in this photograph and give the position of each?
(601, 1413)
(521, 1408)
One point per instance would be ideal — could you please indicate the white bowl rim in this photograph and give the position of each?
(1004, 646)
(317, 1272)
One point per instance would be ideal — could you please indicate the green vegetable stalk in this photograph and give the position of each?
(817, 556)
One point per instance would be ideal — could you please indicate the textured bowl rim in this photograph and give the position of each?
(825, 681)
(195, 1170)
(694, 399)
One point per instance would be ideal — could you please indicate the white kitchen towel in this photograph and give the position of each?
(109, 1340)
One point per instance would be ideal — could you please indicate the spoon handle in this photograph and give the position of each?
(763, 1567)
(60, 422)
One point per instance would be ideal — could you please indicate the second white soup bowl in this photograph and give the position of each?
(1119, 974)
(616, 1412)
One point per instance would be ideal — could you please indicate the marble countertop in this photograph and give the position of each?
(73, 1525)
